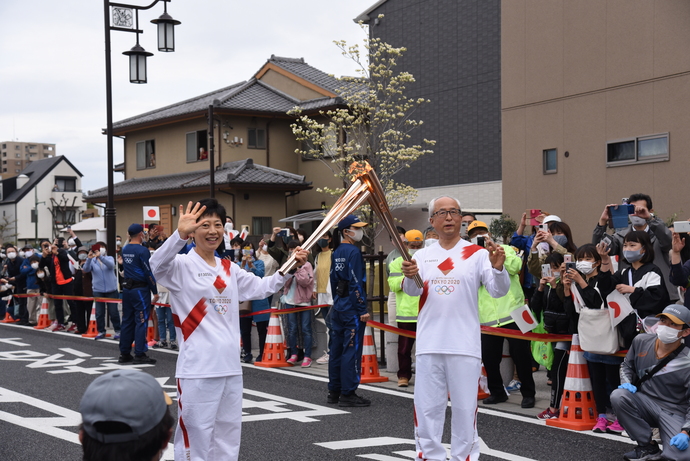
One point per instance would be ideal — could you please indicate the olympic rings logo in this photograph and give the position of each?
(444, 289)
(221, 308)
(339, 266)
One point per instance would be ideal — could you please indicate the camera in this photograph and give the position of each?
(481, 241)
(681, 226)
(544, 227)
(570, 266)
(567, 258)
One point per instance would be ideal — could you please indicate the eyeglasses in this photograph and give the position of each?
(453, 212)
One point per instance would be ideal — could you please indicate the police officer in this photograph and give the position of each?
(137, 286)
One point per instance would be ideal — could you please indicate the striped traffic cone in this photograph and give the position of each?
(483, 387)
(578, 411)
(43, 318)
(274, 349)
(150, 334)
(370, 362)
(92, 330)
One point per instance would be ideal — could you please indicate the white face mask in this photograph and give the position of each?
(355, 234)
(29, 253)
(103, 252)
(555, 274)
(12, 255)
(412, 251)
(637, 221)
(666, 334)
(82, 256)
(21, 254)
(586, 267)
(429, 242)
(265, 248)
(228, 227)
(40, 275)
(34, 266)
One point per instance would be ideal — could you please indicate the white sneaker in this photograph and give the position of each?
(323, 359)
(52, 326)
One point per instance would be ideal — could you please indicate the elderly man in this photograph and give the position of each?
(448, 342)
(654, 390)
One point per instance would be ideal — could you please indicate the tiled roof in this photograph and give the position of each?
(188, 106)
(242, 172)
(311, 74)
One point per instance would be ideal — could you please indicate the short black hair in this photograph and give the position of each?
(236, 241)
(293, 244)
(554, 258)
(638, 197)
(144, 448)
(400, 230)
(588, 249)
(34, 259)
(213, 207)
(469, 213)
(642, 238)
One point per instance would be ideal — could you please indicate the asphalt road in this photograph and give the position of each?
(43, 376)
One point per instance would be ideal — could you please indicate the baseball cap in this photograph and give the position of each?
(677, 313)
(477, 225)
(551, 218)
(135, 228)
(413, 235)
(129, 397)
(350, 221)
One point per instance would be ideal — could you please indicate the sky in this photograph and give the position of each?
(52, 62)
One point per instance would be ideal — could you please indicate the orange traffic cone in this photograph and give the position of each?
(578, 410)
(483, 390)
(8, 318)
(150, 335)
(43, 319)
(274, 350)
(92, 330)
(370, 363)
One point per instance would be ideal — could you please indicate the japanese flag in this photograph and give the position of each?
(152, 213)
(245, 232)
(524, 318)
(620, 307)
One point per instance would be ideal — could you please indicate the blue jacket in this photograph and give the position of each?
(259, 304)
(136, 262)
(103, 278)
(30, 273)
(524, 243)
(347, 265)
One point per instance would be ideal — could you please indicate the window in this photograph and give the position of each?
(550, 161)
(66, 184)
(197, 146)
(18, 155)
(4, 154)
(65, 216)
(16, 171)
(256, 138)
(4, 146)
(146, 154)
(16, 147)
(4, 170)
(643, 149)
(48, 148)
(262, 225)
(18, 163)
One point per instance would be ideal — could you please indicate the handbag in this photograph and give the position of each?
(596, 333)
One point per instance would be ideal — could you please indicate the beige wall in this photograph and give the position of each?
(576, 75)
(289, 86)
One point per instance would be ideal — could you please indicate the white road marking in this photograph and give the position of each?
(69, 350)
(274, 404)
(364, 443)
(13, 342)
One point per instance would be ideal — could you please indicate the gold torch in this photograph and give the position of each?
(365, 187)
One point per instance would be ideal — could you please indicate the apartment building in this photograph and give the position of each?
(18, 155)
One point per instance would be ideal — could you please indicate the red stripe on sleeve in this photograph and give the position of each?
(194, 318)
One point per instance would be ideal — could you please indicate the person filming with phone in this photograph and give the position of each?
(642, 220)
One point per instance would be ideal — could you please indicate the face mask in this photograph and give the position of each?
(322, 243)
(21, 254)
(103, 252)
(228, 227)
(666, 334)
(412, 252)
(556, 274)
(265, 248)
(40, 275)
(118, 243)
(632, 256)
(429, 242)
(637, 221)
(300, 237)
(34, 266)
(82, 256)
(12, 255)
(562, 240)
(586, 267)
(29, 253)
(355, 234)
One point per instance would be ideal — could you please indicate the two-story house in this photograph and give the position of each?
(45, 197)
(258, 176)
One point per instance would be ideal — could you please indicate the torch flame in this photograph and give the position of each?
(358, 169)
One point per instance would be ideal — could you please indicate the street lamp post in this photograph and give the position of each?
(125, 18)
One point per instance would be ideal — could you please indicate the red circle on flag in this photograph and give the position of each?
(152, 213)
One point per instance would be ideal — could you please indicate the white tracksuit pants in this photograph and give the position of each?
(436, 376)
(209, 419)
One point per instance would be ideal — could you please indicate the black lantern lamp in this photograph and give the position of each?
(166, 30)
(137, 63)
